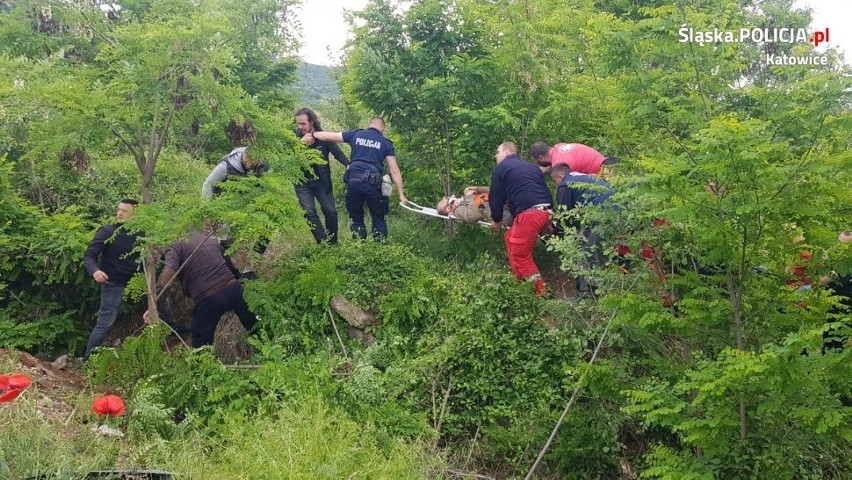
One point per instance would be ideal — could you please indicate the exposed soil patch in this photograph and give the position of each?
(57, 386)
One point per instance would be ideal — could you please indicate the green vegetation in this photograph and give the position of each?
(316, 86)
(732, 173)
(304, 437)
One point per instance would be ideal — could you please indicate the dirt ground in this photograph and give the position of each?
(56, 385)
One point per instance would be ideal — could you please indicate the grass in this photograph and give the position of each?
(33, 444)
(310, 439)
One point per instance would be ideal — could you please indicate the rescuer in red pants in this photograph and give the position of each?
(521, 185)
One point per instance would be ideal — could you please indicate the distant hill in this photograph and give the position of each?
(315, 85)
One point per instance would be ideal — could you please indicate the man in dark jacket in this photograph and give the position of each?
(520, 184)
(574, 190)
(210, 280)
(113, 246)
(118, 263)
(317, 183)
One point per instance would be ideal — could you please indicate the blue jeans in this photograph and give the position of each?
(359, 192)
(306, 194)
(111, 294)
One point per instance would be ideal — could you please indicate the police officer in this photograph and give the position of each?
(370, 150)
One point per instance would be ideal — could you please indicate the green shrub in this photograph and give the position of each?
(472, 335)
(32, 323)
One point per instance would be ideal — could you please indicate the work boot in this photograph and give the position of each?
(540, 287)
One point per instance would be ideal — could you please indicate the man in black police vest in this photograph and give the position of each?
(370, 150)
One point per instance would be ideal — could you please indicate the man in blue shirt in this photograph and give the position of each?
(520, 184)
(575, 190)
(370, 151)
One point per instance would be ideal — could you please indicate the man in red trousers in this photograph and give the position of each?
(520, 185)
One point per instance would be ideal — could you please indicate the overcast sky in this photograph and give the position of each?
(324, 29)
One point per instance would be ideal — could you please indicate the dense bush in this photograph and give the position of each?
(42, 245)
(472, 336)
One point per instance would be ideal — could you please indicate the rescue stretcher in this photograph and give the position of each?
(431, 212)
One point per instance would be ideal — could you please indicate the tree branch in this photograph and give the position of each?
(576, 391)
(123, 140)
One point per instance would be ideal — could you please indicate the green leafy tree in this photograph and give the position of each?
(157, 69)
(146, 74)
(427, 71)
(740, 160)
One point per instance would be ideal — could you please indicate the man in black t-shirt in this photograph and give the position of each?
(317, 184)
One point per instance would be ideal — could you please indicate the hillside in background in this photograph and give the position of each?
(315, 85)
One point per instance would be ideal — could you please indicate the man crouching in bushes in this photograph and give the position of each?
(210, 280)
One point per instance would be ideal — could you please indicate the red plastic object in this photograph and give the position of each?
(12, 386)
(111, 405)
(19, 381)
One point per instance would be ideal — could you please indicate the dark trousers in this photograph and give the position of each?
(209, 310)
(111, 294)
(308, 194)
(590, 245)
(359, 192)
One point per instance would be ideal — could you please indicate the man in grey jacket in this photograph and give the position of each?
(238, 163)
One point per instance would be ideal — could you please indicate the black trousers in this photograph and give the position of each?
(310, 193)
(209, 310)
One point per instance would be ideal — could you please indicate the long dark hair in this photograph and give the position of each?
(311, 116)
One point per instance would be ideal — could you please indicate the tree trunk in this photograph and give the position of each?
(149, 262)
(147, 175)
(447, 178)
(735, 295)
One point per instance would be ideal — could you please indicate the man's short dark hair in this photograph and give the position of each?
(311, 116)
(129, 201)
(560, 169)
(538, 149)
